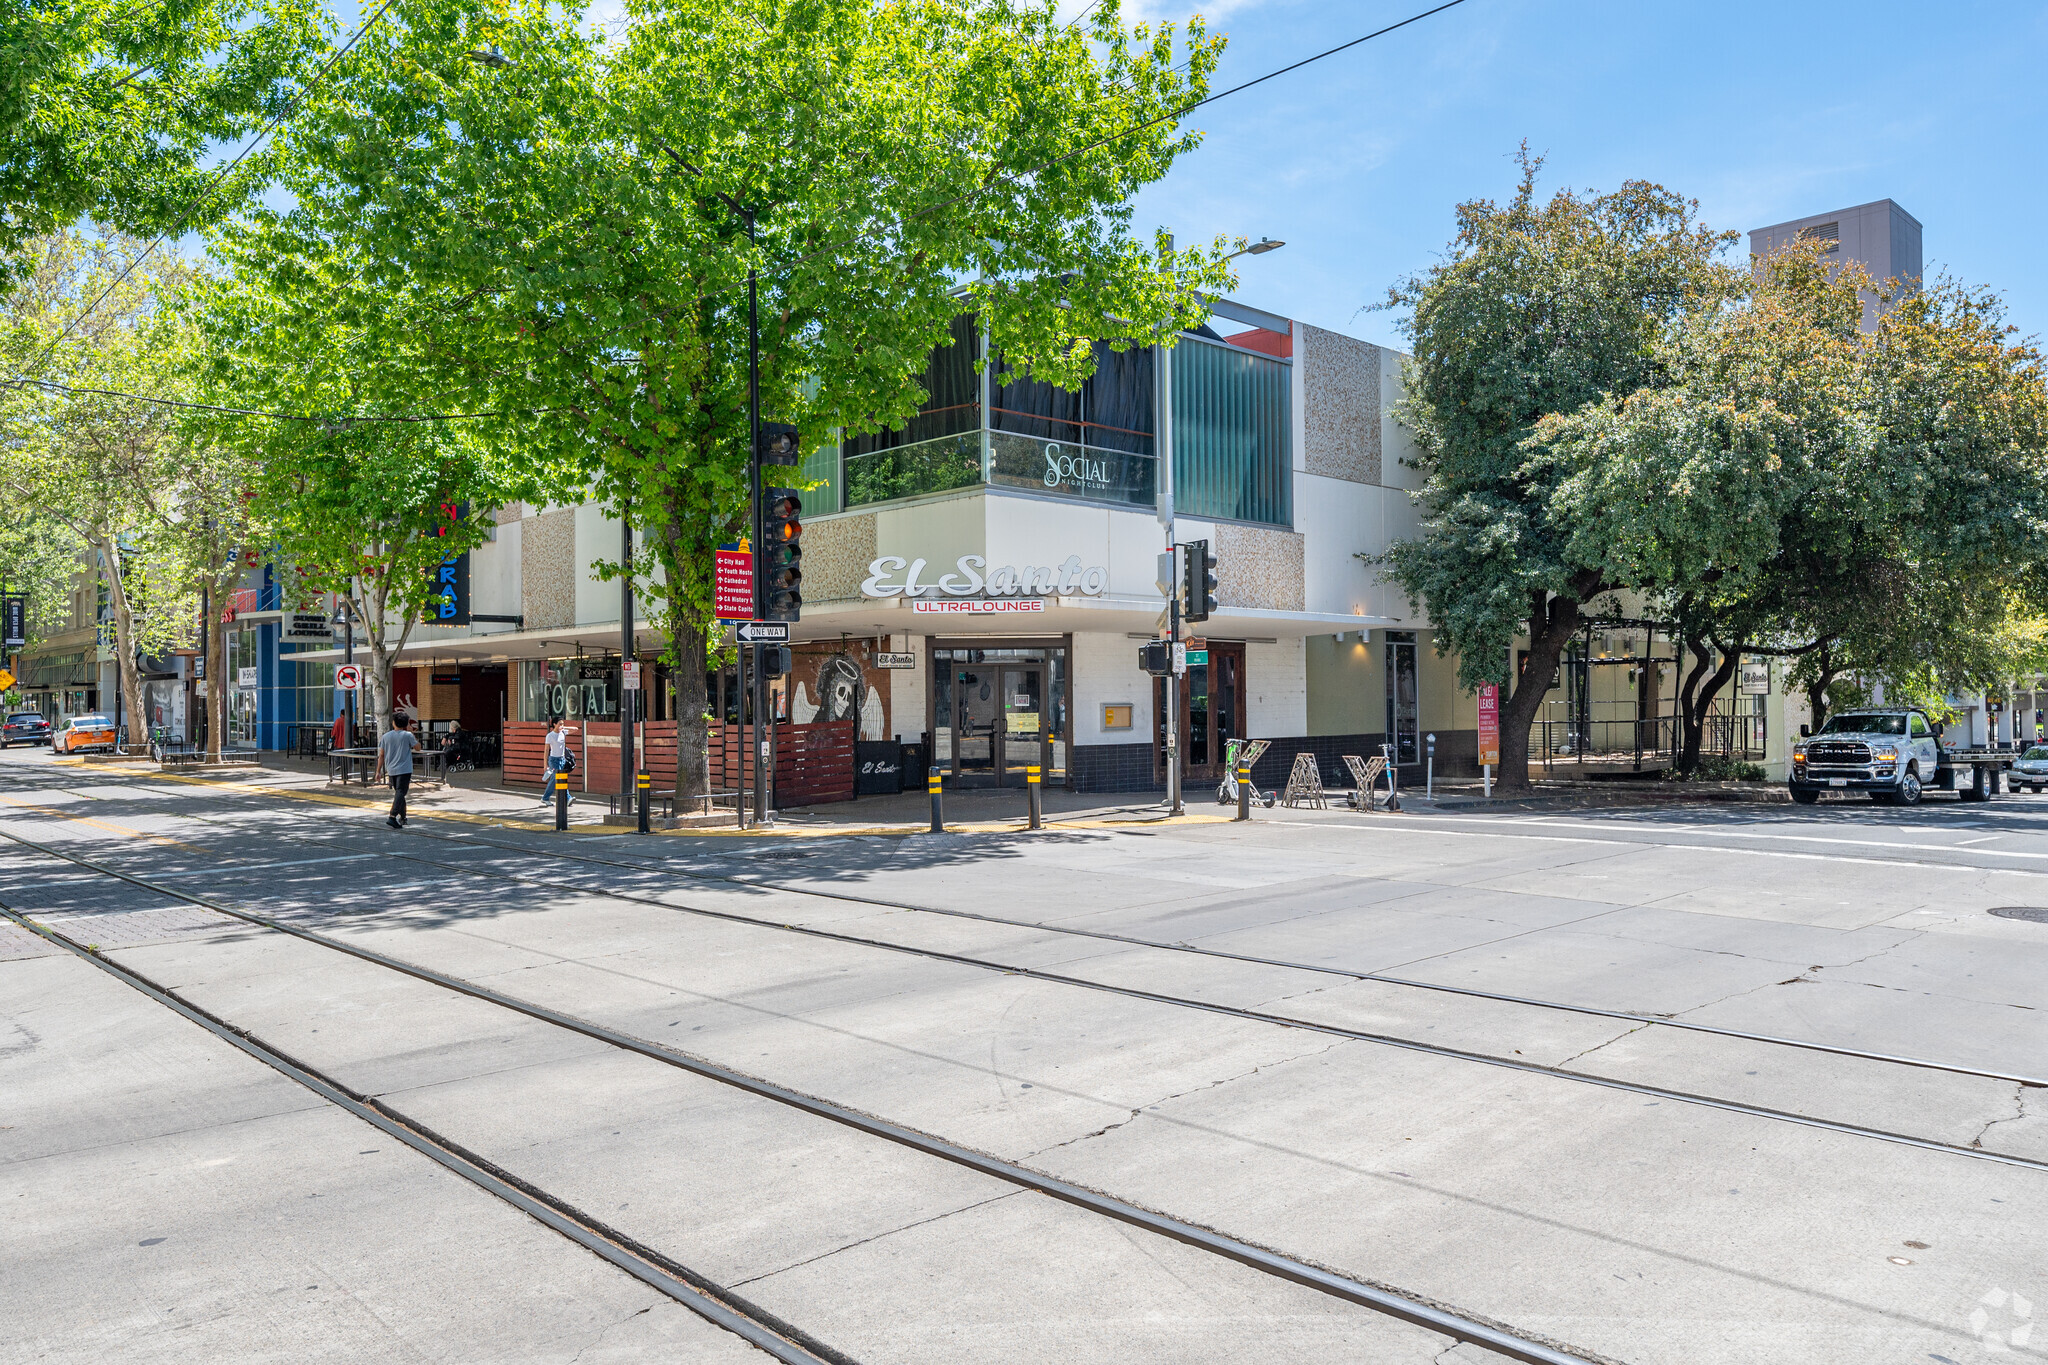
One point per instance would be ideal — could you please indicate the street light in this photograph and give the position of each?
(1258, 248)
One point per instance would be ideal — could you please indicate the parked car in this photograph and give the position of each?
(24, 727)
(2030, 769)
(83, 733)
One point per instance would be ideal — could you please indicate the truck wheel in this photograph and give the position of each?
(1908, 793)
(1804, 797)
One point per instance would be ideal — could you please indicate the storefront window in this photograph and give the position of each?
(572, 689)
(243, 652)
(1402, 713)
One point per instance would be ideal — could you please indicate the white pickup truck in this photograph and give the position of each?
(1895, 754)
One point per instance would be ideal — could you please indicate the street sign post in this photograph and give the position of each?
(762, 632)
(348, 677)
(630, 676)
(1489, 732)
(733, 584)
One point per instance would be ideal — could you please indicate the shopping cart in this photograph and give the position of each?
(1254, 749)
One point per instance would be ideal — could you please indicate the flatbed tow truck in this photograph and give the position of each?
(1893, 753)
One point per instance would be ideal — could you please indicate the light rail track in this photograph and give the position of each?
(1490, 1059)
(1412, 1309)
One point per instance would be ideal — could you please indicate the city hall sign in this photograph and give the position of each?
(973, 578)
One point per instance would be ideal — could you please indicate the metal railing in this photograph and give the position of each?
(1639, 740)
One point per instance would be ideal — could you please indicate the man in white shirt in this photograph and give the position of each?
(394, 760)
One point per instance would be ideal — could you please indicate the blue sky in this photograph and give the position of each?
(1761, 113)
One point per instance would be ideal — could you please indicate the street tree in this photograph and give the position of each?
(81, 448)
(589, 212)
(108, 108)
(1540, 308)
(353, 473)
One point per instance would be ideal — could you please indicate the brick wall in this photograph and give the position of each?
(1112, 768)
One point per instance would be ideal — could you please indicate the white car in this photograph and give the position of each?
(2030, 769)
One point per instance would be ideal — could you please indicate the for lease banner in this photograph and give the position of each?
(1489, 723)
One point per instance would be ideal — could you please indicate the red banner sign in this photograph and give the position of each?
(733, 590)
(1489, 724)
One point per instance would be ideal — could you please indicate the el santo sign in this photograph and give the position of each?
(973, 578)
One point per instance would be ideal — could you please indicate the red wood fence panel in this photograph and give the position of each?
(813, 763)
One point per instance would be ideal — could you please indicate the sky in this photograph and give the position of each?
(1761, 113)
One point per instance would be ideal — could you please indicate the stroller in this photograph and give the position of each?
(1254, 749)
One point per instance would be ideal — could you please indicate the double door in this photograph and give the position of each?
(1000, 715)
(1211, 701)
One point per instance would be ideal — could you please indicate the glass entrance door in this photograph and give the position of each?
(1022, 741)
(978, 701)
(1212, 711)
(1402, 713)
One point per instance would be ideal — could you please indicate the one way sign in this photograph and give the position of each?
(763, 632)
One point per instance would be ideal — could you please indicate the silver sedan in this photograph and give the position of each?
(2030, 769)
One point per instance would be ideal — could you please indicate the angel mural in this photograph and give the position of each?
(842, 694)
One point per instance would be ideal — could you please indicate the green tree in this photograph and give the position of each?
(362, 497)
(107, 107)
(86, 453)
(1538, 309)
(588, 215)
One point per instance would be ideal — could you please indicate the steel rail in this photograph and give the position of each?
(1386, 1300)
(1058, 978)
(688, 1288)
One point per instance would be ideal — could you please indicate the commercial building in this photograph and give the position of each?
(979, 582)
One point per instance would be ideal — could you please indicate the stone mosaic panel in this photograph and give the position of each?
(509, 513)
(836, 557)
(1260, 566)
(547, 570)
(1341, 419)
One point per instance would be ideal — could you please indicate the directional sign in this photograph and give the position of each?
(348, 677)
(762, 632)
(733, 584)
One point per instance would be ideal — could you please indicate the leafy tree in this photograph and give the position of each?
(108, 106)
(588, 215)
(1540, 308)
(99, 462)
(364, 498)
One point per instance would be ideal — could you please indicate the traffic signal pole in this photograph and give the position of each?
(762, 725)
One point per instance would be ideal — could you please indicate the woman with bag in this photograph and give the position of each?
(560, 760)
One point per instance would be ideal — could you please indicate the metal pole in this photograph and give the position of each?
(1031, 775)
(1244, 788)
(629, 758)
(348, 617)
(761, 717)
(561, 800)
(938, 809)
(1173, 794)
(644, 783)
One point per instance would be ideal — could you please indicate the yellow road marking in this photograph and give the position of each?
(105, 825)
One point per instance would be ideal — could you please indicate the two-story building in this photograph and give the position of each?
(980, 581)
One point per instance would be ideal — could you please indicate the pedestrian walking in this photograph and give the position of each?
(394, 760)
(558, 758)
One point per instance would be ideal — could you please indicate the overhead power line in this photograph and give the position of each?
(206, 191)
(280, 416)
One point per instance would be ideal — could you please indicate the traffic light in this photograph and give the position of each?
(778, 445)
(781, 555)
(774, 661)
(1198, 582)
(1155, 658)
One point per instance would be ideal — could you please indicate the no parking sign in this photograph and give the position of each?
(348, 677)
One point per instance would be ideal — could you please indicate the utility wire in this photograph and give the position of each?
(1009, 178)
(206, 191)
(263, 412)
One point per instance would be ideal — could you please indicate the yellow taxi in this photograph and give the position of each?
(83, 733)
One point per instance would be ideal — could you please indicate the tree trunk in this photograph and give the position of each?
(216, 665)
(128, 678)
(1696, 695)
(1817, 689)
(688, 647)
(1551, 624)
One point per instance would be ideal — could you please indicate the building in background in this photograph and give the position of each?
(1881, 237)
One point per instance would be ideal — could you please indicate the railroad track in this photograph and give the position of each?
(996, 965)
(780, 1339)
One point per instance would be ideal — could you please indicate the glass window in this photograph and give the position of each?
(1232, 455)
(1919, 725)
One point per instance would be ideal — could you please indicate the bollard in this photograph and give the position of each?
(645, 782)
(1244, 791)
(561, 800)
(1031, 785)
(938, 811)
